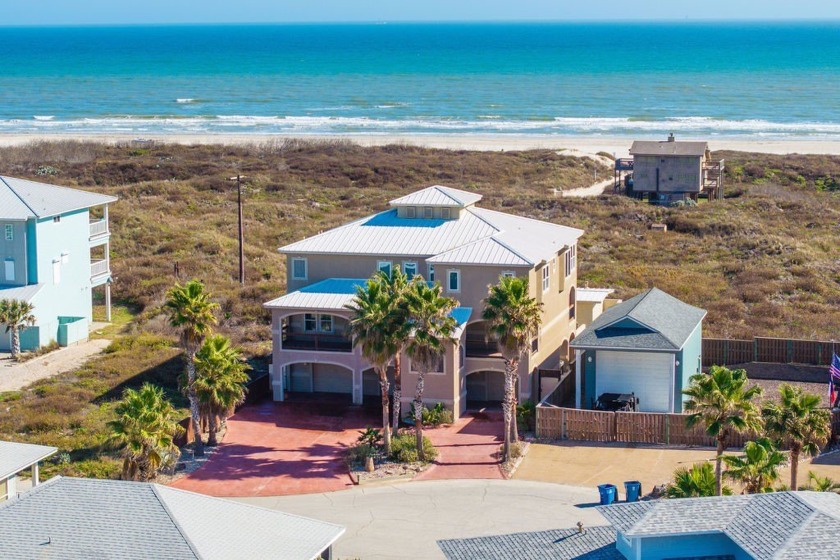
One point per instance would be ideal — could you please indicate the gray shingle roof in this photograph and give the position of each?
(767, 526)
(15, 457)
(676, 148)
(74, 518)
(652, 320)
(597, 543)
(21, 199)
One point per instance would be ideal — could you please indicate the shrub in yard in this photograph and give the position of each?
(437, 415)
(526, 416)
(404, 448)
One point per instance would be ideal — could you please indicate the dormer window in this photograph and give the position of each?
(428, 212)
(445, 213)
(410, 212)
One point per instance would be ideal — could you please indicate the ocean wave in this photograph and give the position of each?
(481, 124)
(43, 117)
(186, 100)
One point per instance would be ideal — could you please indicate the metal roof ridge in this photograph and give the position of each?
(183, 532)
(14, 192)
(517, 217)
(472, 209)
(512, 250)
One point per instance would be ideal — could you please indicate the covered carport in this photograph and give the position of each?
(319, 378)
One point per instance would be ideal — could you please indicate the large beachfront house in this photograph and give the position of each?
(441, 234)
(54, 254)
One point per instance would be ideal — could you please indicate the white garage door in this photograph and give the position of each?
(648, 374)
(327, 378)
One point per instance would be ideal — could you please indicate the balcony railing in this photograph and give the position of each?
(317, 342)
(99, 227)
(478, 347)
(98, 268)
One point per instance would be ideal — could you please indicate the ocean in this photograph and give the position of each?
(739, 80)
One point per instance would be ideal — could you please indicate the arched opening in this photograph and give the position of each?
(572, 300)
(330, 381)
(485, 389)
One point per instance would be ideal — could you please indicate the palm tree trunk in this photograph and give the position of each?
(15, 340)
(418, 414)
(794, 466)
(721, 447)
(507, 404)
(397, 391)
(195, 414)
(514, 401)
(386, 416)
(212, 430)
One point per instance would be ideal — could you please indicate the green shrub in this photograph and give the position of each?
(357, 454)
(437, 415)
(404, 448)
(526, 416)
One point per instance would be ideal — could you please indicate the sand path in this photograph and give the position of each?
(15, 376)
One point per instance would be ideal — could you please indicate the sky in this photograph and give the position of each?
(66, 12)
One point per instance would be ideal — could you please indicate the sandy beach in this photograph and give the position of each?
(618, 146)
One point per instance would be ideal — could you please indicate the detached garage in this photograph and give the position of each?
(648, 346)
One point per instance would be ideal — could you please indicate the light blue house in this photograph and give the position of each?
(54, 253)
(649, 346)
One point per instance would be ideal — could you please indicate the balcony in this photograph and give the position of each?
(316, 342)
(480, 347)
(99, 232)
(99, 270)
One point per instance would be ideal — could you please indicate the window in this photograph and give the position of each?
(384, 266)
(535, 345)
(546, 278)
(10, 232)
(56, 271)
(410, 269)
(508, 274)
(431, 273)
(571, 259)
(410, 212)
(572, 298)
(299, 269)
(454, 281)
(428, 212)
(445, 213)
(56, 219)
(10, 270)
(310, 322)
(325, 323)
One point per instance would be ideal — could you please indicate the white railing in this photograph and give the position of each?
(99, 227)
(98, 268)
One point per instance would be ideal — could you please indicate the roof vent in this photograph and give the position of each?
(671, 138)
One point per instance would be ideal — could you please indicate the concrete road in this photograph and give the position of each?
(404, 520)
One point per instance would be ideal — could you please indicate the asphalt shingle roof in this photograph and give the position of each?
(781, 525)
(652, 320)
(15, 457)
(596, 543)
(74, 518)
(478, 236)
(21, 199)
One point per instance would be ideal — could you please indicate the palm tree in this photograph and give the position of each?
(221, 375)
(798, 423)
(190, 309)
(818, 483)
(698, 481)
(398, 329)
(16, 315)
(723, 402)
(145, 427)
(371, 328)
(432, 329)
(758, 468)
(513, 319)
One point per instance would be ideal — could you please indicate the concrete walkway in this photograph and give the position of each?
(467, 449)
(405, 520)
(15, 376)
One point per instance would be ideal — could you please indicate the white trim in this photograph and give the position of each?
(305, 262)
(545, 271)
(577, 378)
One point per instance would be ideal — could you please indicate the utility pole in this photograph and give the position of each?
(238, 180)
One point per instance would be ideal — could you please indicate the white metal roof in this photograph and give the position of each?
(438, 195)
(21, 199)
(596, 295)
(20, 293)
(15, 457)
(514, 239)
(330, 294)
(84, 518)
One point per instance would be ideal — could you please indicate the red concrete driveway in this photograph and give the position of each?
(467, 449)
(277, 449)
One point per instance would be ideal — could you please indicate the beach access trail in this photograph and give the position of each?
(15, 376)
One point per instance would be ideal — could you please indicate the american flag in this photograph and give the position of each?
(833, 377)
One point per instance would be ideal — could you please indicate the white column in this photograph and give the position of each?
(35, 475)
(577, 378)
(108, 301)
(673, 383)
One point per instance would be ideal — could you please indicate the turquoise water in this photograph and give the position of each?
(774, 80)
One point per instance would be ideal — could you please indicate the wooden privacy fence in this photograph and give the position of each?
(721, 351)
(633, 427)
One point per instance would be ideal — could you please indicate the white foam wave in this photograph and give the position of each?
(43, 117)
(186, 100)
